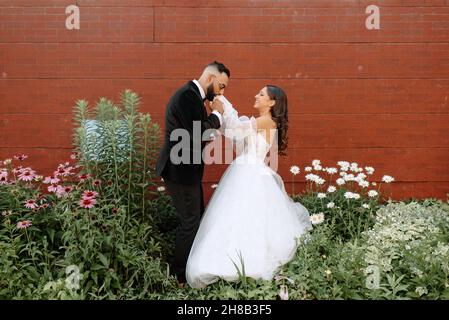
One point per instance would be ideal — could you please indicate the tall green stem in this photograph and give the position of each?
(145, 132)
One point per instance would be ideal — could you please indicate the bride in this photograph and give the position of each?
(250, 223)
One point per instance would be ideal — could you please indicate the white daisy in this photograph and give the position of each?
(331, 170)
(364, 184)
(372, 193)
(387, 179)
(351, 195)
(343, 164)
(294, 170)
(317, 218)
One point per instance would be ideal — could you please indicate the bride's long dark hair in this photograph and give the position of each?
(279, 113)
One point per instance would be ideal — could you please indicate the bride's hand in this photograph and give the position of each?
(217, 105)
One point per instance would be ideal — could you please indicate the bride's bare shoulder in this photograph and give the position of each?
(265, 123)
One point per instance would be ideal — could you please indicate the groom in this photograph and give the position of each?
(184, 180)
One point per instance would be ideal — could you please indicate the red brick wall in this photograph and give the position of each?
(377, 97)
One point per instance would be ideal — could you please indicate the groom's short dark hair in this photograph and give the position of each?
(220, 67)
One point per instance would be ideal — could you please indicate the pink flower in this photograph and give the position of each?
(65, 172)
(97, 182)
(60, 191)
(27, 174)
(114, 210)
(3, 176)
(43, 206)
(31, 204)
(64, 169)
(51, 179)
(87, 202)
(84, 177)
(89, 194)
(63, 191)
(3, 180)
(21, 158)
(59, 171)
(73, 156)
(52, 188)
(24, 224)
(17, 170)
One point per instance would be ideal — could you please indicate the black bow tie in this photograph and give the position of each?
(204, 99)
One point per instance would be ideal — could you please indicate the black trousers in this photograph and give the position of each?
(189, 203)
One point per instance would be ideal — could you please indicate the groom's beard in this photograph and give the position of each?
(210, 95)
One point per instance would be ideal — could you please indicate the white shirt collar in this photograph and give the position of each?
(203, 94)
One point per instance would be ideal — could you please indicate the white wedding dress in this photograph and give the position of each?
(250, 217)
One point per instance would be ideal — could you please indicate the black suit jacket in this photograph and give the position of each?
(183, 108)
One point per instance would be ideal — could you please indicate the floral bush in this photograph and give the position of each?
(342, 196)
(89, 230)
